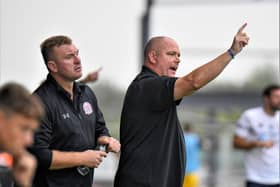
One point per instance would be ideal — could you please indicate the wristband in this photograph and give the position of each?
(230, 52)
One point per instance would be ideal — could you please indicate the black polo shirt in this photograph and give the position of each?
(152, 152)
(68, 126)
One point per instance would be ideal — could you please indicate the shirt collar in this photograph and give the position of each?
(76, 86)
(146, 69)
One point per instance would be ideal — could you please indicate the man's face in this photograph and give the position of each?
(16, 132)
(273, 100)
(168, 57)
(67, 62)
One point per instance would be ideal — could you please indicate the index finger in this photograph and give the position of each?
(242, 28)
(104, 154)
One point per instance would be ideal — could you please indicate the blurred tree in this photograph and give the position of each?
(261, 77)
(110, 99)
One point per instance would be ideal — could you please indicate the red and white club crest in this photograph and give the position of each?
(87, 108)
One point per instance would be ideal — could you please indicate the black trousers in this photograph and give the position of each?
(253, 184)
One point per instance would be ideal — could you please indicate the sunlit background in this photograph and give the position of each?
(110, 34)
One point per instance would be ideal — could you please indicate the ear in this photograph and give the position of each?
(152, 56)
(52, 66)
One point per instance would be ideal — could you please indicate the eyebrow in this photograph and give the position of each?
(72, 52)
(173, 52)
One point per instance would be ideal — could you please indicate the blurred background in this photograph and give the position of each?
(111, 34)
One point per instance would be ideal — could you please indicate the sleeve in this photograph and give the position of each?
(101, 129)
(41, 146)
(159, 92)
(243, 126)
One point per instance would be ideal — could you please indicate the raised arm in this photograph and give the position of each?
(91, 77)
(189, 83)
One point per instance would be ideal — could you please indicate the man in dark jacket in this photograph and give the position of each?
(74, 124)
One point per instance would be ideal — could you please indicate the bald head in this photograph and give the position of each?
(162, 56)
(156, 44)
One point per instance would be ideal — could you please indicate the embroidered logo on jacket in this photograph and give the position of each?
(87, 108)
(65, 116)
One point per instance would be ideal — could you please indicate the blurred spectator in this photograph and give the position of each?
(20, 113)
(257, 132)
(193, 147)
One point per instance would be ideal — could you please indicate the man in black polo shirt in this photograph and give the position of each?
(152, 153)
(74, 125)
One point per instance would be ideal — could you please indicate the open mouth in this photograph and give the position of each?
(173, 68)
(78, 68)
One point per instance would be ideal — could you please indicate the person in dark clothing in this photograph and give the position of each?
(74, 125)
(152, 152)
(20, 113)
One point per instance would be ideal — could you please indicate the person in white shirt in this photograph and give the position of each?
(257, 132)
